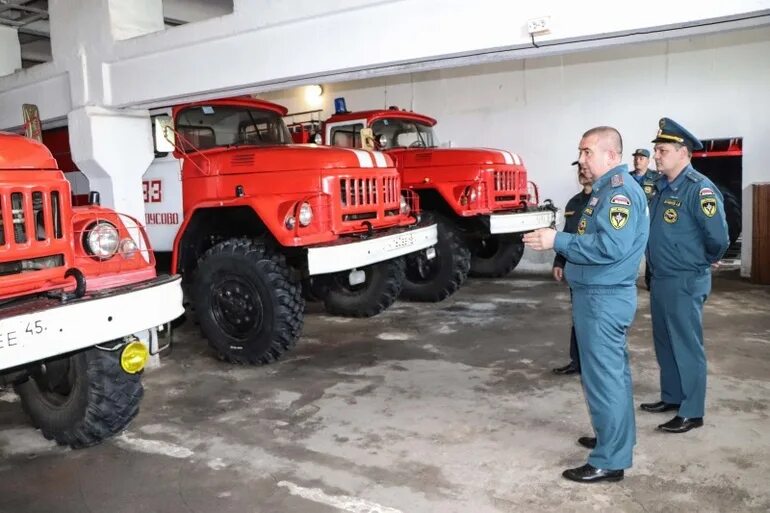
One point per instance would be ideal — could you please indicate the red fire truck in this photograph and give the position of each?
(480, 197)
(247, 216)
(80, 302)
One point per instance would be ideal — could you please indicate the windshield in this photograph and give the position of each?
(403, 133)
(209, 126)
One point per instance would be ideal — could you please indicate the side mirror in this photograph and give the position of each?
(163, 131)
(367, 139)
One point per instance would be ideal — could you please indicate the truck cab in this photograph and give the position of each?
(480, 197)
(81, 305)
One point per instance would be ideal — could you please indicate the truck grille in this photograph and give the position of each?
(505, 181)
(370, 197)
(510, 186)
(357, 192)
(31, 235)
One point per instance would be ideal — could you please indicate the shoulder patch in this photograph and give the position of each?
(588, 211)
(709, 206)
(616, 181)
(619, 217)
(706, 192)
(581, 229)
(619, 199)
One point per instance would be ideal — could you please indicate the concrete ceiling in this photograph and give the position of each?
(30, 19)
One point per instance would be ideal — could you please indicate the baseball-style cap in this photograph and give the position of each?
(642, 152)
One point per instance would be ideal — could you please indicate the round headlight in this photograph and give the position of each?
(472, 195)
(318, 138)
(102, 240)
(382, 141)
(404, 207)
(305, 214)
(128, 248)
(290, 223)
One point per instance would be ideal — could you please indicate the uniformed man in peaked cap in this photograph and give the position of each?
(602, 262)
(688, 234)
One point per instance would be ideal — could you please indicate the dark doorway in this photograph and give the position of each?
(721, 160)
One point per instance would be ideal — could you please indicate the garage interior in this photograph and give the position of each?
(445, 407)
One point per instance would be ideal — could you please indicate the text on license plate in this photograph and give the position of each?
(402, 241)
(17, 334)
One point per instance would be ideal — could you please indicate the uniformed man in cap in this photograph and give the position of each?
(646, 178)
(688, 234)
(602, 262)
(572, 214)
(642, 174)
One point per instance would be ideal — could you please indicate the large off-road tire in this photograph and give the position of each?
(436, 279)
(81, 399)
(248, 306)
(496, 256)
(380, 290)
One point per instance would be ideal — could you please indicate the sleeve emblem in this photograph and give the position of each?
(709, 206)
(619, 217)
(619, 199)
(582, 226)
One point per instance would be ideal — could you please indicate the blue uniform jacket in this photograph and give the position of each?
(572, 213)
(647, 181)
(688, 231)
(611, 236)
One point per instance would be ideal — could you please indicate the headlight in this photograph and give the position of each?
(318, 138)
(128, 248)
(290, 223)
(101, 240)
(472, 195)
(405, 208)
(305, 214)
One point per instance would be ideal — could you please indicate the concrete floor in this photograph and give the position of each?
(426, 408)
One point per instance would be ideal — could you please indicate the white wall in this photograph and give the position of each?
(716, 85)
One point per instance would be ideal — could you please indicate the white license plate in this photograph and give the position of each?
(404, 240)
(20, 333)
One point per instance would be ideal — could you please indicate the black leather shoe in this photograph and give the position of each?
(658, 407)
(590, 474)
(589, 442)
(681, 424)
(568, 369)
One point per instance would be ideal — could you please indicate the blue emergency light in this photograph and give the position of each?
(339, 105)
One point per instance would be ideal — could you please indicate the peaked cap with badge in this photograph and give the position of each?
(669, 131)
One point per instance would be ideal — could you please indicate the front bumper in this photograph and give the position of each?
(44, 327)
(352, 252)
(524, 221)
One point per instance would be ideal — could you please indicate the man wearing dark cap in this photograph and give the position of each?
(572, 213)
(646, 178)
(642, 174)
(688, 234)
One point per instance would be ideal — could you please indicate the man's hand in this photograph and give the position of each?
(558, 273)
(715, 266)
(541, 239)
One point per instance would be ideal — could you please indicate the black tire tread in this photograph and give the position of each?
(289, 294)
(461, 265)
(374, 302)
(113, 401)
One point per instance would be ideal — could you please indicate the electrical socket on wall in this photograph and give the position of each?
(539, 25)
